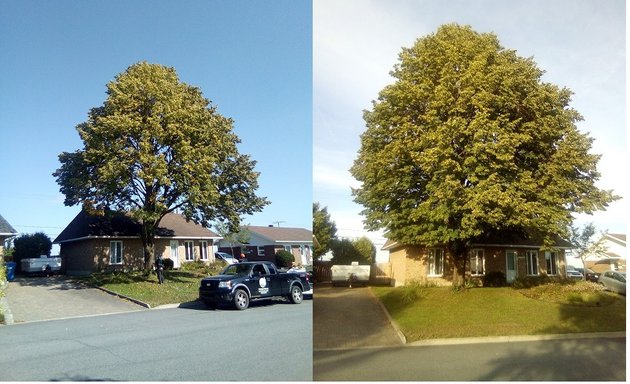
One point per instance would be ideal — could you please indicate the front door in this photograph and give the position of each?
(175, 253)
(510, 266)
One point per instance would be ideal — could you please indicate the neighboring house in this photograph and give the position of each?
(512, 255)
(264, 242)
(112, 242)
(6, 232)
(614, 257)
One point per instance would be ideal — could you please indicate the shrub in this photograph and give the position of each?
(284, 259)
(168, 263)
(494, 279)
(415, 290)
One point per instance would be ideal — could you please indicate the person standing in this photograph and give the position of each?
(159, 269)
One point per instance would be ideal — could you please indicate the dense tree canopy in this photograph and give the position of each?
(345, 251)
(324, 230)
(469, 139)
(156, 145)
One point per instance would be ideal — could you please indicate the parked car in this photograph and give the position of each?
(242, 282)
(590, 274)
(614, 281)
(574, 274)
(225, 257)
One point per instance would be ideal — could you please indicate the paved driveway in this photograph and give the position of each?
(350, 318)
(56, 297)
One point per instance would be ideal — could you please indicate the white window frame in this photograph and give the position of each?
(203, 250)
(260, 250)
(532, 267)
(436, 262)
(478, 255)
(116, 252)
(189, 250)
(551, 260)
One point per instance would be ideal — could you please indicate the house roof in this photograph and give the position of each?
(6, 228)
(503, 239)
(282, 234)
(116, 224)
(619, 238)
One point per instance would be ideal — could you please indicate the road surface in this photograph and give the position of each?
(598, 359)
(264, 342)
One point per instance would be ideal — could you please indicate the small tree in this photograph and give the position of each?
(366, 248)
(585, 244)
(284, 259)
(233, 238)
(324, 230)
(345, 252)
(30, 245)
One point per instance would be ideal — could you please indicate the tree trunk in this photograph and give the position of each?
(458, 251)
(148, 245)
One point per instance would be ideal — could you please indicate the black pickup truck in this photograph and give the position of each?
(242, 282)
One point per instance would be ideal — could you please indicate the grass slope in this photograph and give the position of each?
(443, 313)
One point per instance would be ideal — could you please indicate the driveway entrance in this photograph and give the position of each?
(350, 318)
(56, 297)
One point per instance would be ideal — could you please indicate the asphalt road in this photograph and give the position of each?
(265, 342)
(599, 359)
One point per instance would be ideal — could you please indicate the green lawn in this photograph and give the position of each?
(426, 313)
(179, 286)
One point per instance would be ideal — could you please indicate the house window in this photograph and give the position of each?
(436, 262)
(287, 248)
(477, 262)
(532, 262)
(190, 252)
(115, 252)
(203, 250)
(552, 263)
(261, 250)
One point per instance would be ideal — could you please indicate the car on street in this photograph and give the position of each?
(590, 274)
(245, 281)
(225, 257)
(614, 281)
(573, 274)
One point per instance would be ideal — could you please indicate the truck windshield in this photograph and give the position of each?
(236, 270)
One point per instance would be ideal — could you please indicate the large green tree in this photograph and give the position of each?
(470, 139)
(324, 230)
(157, 145)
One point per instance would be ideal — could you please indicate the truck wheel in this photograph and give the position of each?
(241, 300)
(296, 294)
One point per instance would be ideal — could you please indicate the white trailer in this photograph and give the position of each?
(350, 274)
(42, 264)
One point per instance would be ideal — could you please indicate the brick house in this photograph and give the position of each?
(264, 242)
(112, 242)
(512, 255)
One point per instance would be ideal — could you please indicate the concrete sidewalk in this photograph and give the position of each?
(351, 318)
(57, 297)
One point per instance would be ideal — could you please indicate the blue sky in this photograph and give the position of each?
(252, 59)
(581, 44)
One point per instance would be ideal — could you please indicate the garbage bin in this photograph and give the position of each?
(10, 266)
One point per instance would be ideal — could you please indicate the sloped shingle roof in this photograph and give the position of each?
(282, 234)
(116, 224)
(6, 228)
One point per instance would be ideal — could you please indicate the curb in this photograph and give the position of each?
(141, 303)
(516, 339)
(401, 336)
